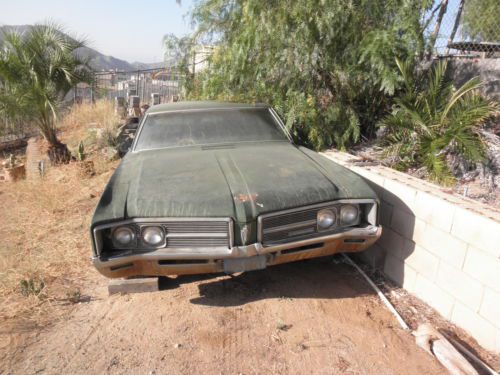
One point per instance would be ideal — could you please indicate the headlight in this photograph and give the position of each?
(153, 236)
(325, 218)
(123, 236)
(349, 214)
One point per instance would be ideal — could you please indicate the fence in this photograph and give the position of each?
(163, 84)
(465, 27)
(467, 34)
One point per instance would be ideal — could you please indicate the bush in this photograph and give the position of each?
(432, 119)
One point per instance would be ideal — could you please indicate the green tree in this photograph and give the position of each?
(37, 70)
(326, 65)
(432, 119)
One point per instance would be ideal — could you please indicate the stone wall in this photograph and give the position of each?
(441, 247)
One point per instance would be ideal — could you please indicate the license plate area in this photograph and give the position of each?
(236, 265)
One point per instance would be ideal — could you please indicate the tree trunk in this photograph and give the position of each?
(58, 152)
(455, 27)
(434, 35)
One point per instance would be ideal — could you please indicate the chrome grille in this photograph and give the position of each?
(179, 233)
(197, 233)
(290, 225)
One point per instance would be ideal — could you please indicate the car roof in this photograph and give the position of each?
(200, 105)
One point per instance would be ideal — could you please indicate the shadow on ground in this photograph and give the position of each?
(325, 278)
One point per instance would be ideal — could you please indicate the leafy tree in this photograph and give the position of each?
(175, 49)
(431, 119)
(480, 20)
(326, 65)
(37, 70)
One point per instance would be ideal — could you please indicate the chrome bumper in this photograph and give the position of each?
(180, 261)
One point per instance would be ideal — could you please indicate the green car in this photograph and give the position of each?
(221, 187)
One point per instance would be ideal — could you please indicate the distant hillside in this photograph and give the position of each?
(99, 61)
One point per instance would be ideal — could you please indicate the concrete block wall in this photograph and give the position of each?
(441, 247)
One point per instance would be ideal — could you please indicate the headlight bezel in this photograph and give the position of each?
(118, 244)
(161, 243)
(334, 217)
(356, 219)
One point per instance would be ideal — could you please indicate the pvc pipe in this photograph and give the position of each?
(381, 295)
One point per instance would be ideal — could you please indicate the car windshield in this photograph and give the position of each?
(206, 127)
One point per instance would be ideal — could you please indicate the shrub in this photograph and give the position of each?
(431, 119)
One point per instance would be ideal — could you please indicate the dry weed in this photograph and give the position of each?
(44, 226)
(94, 124)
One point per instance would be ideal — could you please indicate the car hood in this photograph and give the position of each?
(240, 181)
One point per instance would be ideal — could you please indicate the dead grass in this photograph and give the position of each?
(44, 227)
(94, 124)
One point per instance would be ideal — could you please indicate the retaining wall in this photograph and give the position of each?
(441, 247)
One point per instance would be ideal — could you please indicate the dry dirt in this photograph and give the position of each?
(315, 317)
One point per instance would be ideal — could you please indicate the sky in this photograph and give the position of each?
(131, 30)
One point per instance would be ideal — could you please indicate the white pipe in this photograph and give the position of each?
(381, 295)
(469, 354)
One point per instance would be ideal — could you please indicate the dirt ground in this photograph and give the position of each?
(315, 317)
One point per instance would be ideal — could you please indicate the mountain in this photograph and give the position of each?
(98, 61)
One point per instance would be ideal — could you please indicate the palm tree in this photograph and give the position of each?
(37, 70)
(432, 119)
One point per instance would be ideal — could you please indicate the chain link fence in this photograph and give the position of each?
(152, 86)
(467, 34)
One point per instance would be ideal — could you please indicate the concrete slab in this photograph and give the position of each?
(127, 286)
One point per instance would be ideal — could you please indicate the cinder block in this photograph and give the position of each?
(385, 214)
(419, 231)
(424, 262)
(461, 286)
(490, 307)
(399, 194)
(482, 330)
(390, 240)
(403, 222)
(447, 247)
(142, 285)
(399, 272)
(434, 210)
(477, 230)
(434, 296)
(374, 256)
(404, 251)
(483, 267)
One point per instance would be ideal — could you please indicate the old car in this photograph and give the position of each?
(221, 187)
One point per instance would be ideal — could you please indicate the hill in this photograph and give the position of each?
(99, 61)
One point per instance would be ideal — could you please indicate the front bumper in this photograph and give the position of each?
(183, 261)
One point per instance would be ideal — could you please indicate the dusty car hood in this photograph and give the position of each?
(240, 181)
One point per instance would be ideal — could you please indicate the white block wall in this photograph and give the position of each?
(441, 247)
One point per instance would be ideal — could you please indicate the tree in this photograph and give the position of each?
(326, 65)
(432, 119)
(37, 69)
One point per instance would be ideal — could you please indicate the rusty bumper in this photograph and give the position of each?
(184, 261)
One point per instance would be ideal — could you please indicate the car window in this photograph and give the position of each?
(177, 129)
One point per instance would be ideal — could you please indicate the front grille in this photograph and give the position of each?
(197, 233)
(293, 225)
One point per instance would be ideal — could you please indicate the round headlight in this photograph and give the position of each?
(325, 218)
(153, 236)
(123, 236)
(348, 214)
